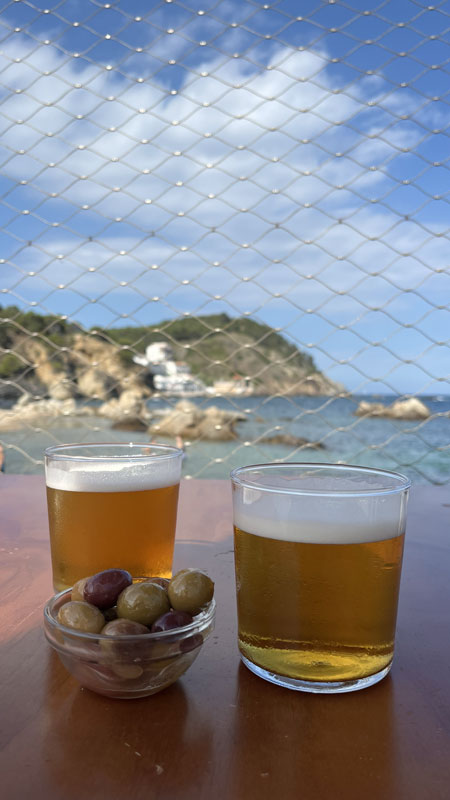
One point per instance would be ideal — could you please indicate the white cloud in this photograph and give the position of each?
(270, 158)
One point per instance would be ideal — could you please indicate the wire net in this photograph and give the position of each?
(262, 190)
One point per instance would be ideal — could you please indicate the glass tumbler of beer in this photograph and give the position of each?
(111, 505)
(318, 555)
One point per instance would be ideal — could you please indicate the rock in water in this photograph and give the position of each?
(130, 424)
(130, 405)
(291, 441)
(412, 409)
(43, 412)
(191, 422)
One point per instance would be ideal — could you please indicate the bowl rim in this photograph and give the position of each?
(200, 621)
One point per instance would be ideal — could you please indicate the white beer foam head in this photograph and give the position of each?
(113, 476)
(321, 520)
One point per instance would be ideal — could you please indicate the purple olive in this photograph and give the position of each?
(103, 589)
(124, 627)
(171, 620)
(191, 643)
(118, 647)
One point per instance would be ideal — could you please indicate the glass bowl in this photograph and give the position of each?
(126, 666)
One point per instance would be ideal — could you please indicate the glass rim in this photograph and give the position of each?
(59, 451)
(403, 481)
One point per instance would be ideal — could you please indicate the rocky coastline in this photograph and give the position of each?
(65, 372)
(94, 371)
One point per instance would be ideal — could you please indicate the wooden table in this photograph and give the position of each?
(221, 732)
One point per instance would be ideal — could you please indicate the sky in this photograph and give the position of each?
(161, 159)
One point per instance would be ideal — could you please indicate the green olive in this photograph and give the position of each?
(127, 672)
(164, 582)
(81, 616)
(78, 589)
(190, 590)
(142, 602)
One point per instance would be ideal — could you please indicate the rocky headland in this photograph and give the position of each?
(51, 368)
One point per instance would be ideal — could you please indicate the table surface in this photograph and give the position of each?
(220, 731)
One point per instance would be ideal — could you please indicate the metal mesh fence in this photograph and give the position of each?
(258, 193)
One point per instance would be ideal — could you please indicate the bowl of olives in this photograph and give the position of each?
(126, 637)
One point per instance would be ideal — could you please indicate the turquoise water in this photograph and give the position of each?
(419, 449)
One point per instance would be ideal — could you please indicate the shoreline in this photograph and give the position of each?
(400, 445)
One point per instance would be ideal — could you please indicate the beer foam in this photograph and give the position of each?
(320, 521)
(76, 476)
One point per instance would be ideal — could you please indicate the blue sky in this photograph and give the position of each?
(161, 159)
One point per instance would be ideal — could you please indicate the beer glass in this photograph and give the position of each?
(318, 554)
(111, 505)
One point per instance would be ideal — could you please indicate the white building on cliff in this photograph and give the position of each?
(169, 376)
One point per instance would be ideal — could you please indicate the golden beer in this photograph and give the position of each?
(318, 556)
(317, 612)
(112, 513)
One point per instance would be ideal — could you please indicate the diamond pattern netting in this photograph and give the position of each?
(172, 159)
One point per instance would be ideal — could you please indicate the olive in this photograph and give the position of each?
(164, 582)
(125, 650)
(143, 602)
(103, 589)
(191, 643)
(124, 627)
(189, 590)
(171, 620)
(94, 676)
(127, 672)
(81, 616)
(78, 589)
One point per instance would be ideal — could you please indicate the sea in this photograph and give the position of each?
(418, 449)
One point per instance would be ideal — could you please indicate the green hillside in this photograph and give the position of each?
(216, 347)
(242, 346)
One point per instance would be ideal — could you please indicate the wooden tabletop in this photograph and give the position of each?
(221, 732)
